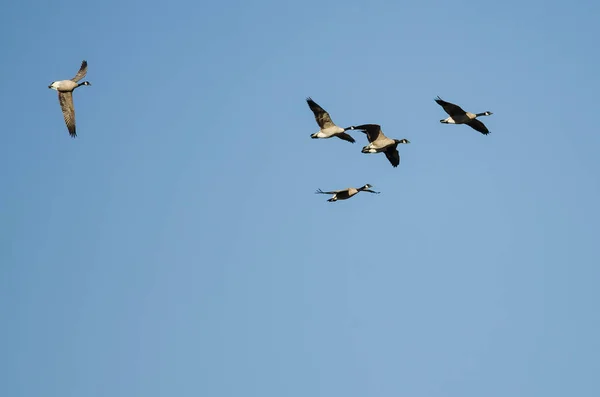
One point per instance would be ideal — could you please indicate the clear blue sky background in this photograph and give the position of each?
(177, 248)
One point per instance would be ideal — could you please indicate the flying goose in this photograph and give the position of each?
(459, 116)
(346, 193)
(65, 96)
(381, 143)
(328, 127)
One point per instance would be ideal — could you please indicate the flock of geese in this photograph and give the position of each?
(378, 142)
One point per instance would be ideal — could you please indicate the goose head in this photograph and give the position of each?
(401, 141)
(367, 188)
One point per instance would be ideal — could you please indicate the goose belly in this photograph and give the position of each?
(457, 120)
(320, 134)
(449, 120)
(64, 85)
(332, 130)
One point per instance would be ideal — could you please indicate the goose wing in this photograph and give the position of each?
(478, 126)
(66, 104)
(393, 156)
(346, 137)
(322, 117)
(319, 191)
(373, 131)
(371, 191)
(450, 108)
(82, 72)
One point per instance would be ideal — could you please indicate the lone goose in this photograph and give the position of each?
(459, 116)
(65, 96)
(381, 143)
(346, 193)
(328, 127)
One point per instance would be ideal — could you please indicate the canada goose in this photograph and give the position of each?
(381, 143)
(328, 127)
(346, 193)
(65, 96)
(459, 116)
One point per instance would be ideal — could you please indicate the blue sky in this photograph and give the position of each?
(177, 248)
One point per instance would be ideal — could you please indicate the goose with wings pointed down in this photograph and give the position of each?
(459, 116)
(65, 96)
(379, 143)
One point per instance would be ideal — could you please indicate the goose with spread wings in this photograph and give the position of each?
(65, 96)
(379, 143)
(327, 127)
(347, 193)
(459, 116)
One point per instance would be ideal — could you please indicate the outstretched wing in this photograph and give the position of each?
(322, 117)
(319, 191)
(450, 108)
(372, 130)
(393, 156)
(478, 126)
(66, 104)
(82, 72)
(346, 137)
